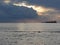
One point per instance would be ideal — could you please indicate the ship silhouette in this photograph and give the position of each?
(50, 22)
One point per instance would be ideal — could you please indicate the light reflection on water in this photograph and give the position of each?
(30, 26)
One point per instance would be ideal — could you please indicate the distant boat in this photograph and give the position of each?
(50, 22)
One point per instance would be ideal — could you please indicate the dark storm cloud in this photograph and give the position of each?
(13, 13)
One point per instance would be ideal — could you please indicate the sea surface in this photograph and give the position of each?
(29, 26)
(29, 34)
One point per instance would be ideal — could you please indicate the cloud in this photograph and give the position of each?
(6, 1)
(43, 10)
(40, 10)
(44, 13)
(14, 13)
(46, 3)
(51, 16)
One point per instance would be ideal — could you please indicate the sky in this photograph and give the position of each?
(30, 10)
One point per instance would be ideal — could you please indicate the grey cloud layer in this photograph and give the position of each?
(46, 3)
(13, 13)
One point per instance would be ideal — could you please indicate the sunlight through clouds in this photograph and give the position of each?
(7, 1)
(39, 9)
(43, 12)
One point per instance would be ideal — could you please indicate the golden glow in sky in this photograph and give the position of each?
(39, 9)
(6, 1)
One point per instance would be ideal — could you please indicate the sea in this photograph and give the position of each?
(29, 34)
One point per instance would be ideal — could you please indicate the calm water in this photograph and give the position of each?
(29, 34)
(30, 26)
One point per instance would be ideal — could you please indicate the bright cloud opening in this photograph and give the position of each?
(7, 1)
(39, 9)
